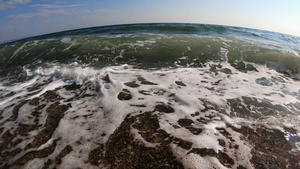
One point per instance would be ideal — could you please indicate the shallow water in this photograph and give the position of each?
(150, 96)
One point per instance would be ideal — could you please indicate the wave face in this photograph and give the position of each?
(151, 96)
(156, 46)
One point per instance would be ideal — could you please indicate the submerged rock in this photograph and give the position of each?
(180, 83)
(264, 81)
(132, 84)
(123, 151)
(146, 82)
(164, 108)
(271, 149)
(243, 67)
(124, 95)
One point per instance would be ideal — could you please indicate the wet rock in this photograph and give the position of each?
(164, 108)
(213, 68)
(141, 79)
(270, 148)
(195, 114)
(36, 154)
(96, 155)
(216, 83)
(34, 101)
(277, 80)
(123, 151)
(149, 128)
(172, 95)
(55, 114)
(180, 83)
(40, 107)
(106, 78)
(35, 113)
(203, 152)
(63, 153)
(226, 71)
(210, 88)
(4, 157)
(225, 133)
(7, 141)
(203, 120)
(23, 129)
(187, 123)
(248, 107)
(146, 82)
(225, 159)
(51, 95)
(132, 84)
(72, 86)
(138, 105)
(7, 95)
(182, 143)
(221, 142)
(144, 92)
(241, 167)
(211, 106)
(124, 95)
(241, 66)
(15, 111)
(35, 87)
(222, 157)
(195, 131)
(250, 67)
(47, 164)
(159, 92)
(147, 122)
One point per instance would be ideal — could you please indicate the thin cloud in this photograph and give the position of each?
(49, 6)
(12, 3)
(59, 2)
(102, 10)
(39, 13)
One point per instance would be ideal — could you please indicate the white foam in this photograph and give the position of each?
(102, 112)
(69, 40)
(50, 86)
(194, 161)
(8, 100)
(225, 40)
(222, 54)
(36, 163)
(66, 40)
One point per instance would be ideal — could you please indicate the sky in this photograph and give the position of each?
(26, 18)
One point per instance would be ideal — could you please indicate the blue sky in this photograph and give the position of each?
(25, 18)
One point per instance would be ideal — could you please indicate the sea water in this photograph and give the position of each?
(151, 96)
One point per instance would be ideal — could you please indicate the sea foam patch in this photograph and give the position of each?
(212, 117)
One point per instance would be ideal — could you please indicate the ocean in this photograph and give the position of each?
(160, 95)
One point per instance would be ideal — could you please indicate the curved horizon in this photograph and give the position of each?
(127, 24)
(26, 18)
